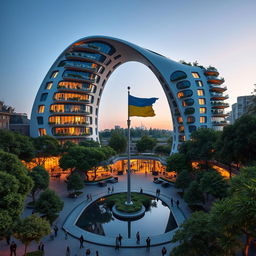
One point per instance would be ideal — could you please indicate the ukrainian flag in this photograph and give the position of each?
(141, 106)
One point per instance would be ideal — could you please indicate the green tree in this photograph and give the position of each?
(46, 146)
(49, 204)
(89, 143)
(163, 149)
(75, 182)
(17, 144)
(10, 164)
(177, 162)
(212, 183)
(196, 236)
(11, 202)
(32, 228)
(183, 180)
(40, 178)
(145, 143)
(194, 194)
(118, 142)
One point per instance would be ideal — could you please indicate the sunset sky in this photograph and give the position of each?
(218, 33)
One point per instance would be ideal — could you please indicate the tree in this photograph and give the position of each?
(17, 144)
(30, 229)
(212, 183)
(194, 194)
(177, 162)
(89, 143)
(183, 180)
(118, 142)
(41, 180)
(196, 236)
(145, 143)
(49, 204)
(75, 182)
(10, 164)
(46, 146)
(11, 203)
(162, 149)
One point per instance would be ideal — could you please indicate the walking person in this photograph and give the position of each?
(178, 203)
(66, 234)
(88, 197)
(68, 252)
(117, 243)
(164, 251)
(13, 248)
(56, 230)
(148, 240)
(108, 190)
(172, 202)
(141, 190)
(159, 191)
(81, 239)
(138, 237)
(112, 190)
(97, 253)
(120, 239)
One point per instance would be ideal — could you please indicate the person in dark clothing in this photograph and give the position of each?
(148, 240)
(97, 253)
(177, 203)
(13, 248)
(120, 239)
(42, 248)
(138, 237)
(56, 230)
(171, 201)
(88, 252)
(164, 251)
(68, 253)
(81, 239)
(117, 243)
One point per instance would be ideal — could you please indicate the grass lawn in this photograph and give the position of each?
(138, 200)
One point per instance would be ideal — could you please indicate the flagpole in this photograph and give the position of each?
(129, 201)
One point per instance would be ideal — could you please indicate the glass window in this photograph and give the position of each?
(81, 75)
(183, 84)
(203, 119)
(188, 102)
(184, 94)
(189, 111)
(40, 120)
(195, 75)
(43, 96)
(201, 101)
(202, 110)
(99, 46)
(191, 119)
(54, 74)
(191, 128)
(181, 128)
(48, 86)
(199, 83)
(178, 75)
(200, 92)
(179, 120)
(86, 55)
(42, 131)
(41, 109)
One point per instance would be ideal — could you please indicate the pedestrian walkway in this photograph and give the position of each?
(59, 244)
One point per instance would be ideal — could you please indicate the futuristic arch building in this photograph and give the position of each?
(67, 103)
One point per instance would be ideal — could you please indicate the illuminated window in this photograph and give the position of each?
(188, 102)
(191, 119)
(42, 131)
(179, 120)
(199, 83)
(184, 94)
(54, 74)
(48, 86)
(43, 97)
(181, 128)
(200, 92)
(201, 101)
(40, 120)
(203, 119)
(41, 109)
(202, 110)
(195, 75)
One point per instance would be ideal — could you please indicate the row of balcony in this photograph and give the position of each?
(69, 123)
(76, 89)
(70, 111)
(73, 99)
(219, 123)
(71, 135)
(219, 104)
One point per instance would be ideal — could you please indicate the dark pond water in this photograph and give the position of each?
(98, 219)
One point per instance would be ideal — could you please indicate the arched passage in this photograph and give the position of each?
(67, 103)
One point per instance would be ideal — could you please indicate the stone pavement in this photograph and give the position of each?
(58, 246)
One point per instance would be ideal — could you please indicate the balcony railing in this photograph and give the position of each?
(71, 135)
(74, 88)
(70, 111)
(69, 123)
(73, 99)
(220, 103)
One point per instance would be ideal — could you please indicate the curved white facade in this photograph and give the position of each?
(67, 103)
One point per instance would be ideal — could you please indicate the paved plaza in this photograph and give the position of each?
(59, 244)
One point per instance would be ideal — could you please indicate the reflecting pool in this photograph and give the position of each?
(98, 219)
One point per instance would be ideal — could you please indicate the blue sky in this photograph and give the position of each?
(218, 33)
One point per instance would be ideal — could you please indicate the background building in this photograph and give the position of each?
(5, 113)
(19, 122)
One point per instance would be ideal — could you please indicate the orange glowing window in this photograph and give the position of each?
(199, 83)
(200, 92)
(202, 110)
(203, 119)
(180, 94)
(195, 75)
(201, 101)
(41, 109)
(42, 131)
(180, 120)
(54, 74)
(48, 86)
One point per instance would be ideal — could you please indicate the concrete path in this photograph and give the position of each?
(58, 246)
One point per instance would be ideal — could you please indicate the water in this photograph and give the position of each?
(98, 219)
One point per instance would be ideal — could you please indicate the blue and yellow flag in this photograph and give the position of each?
(141, 106)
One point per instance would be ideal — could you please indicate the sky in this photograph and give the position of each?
(218, 33)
